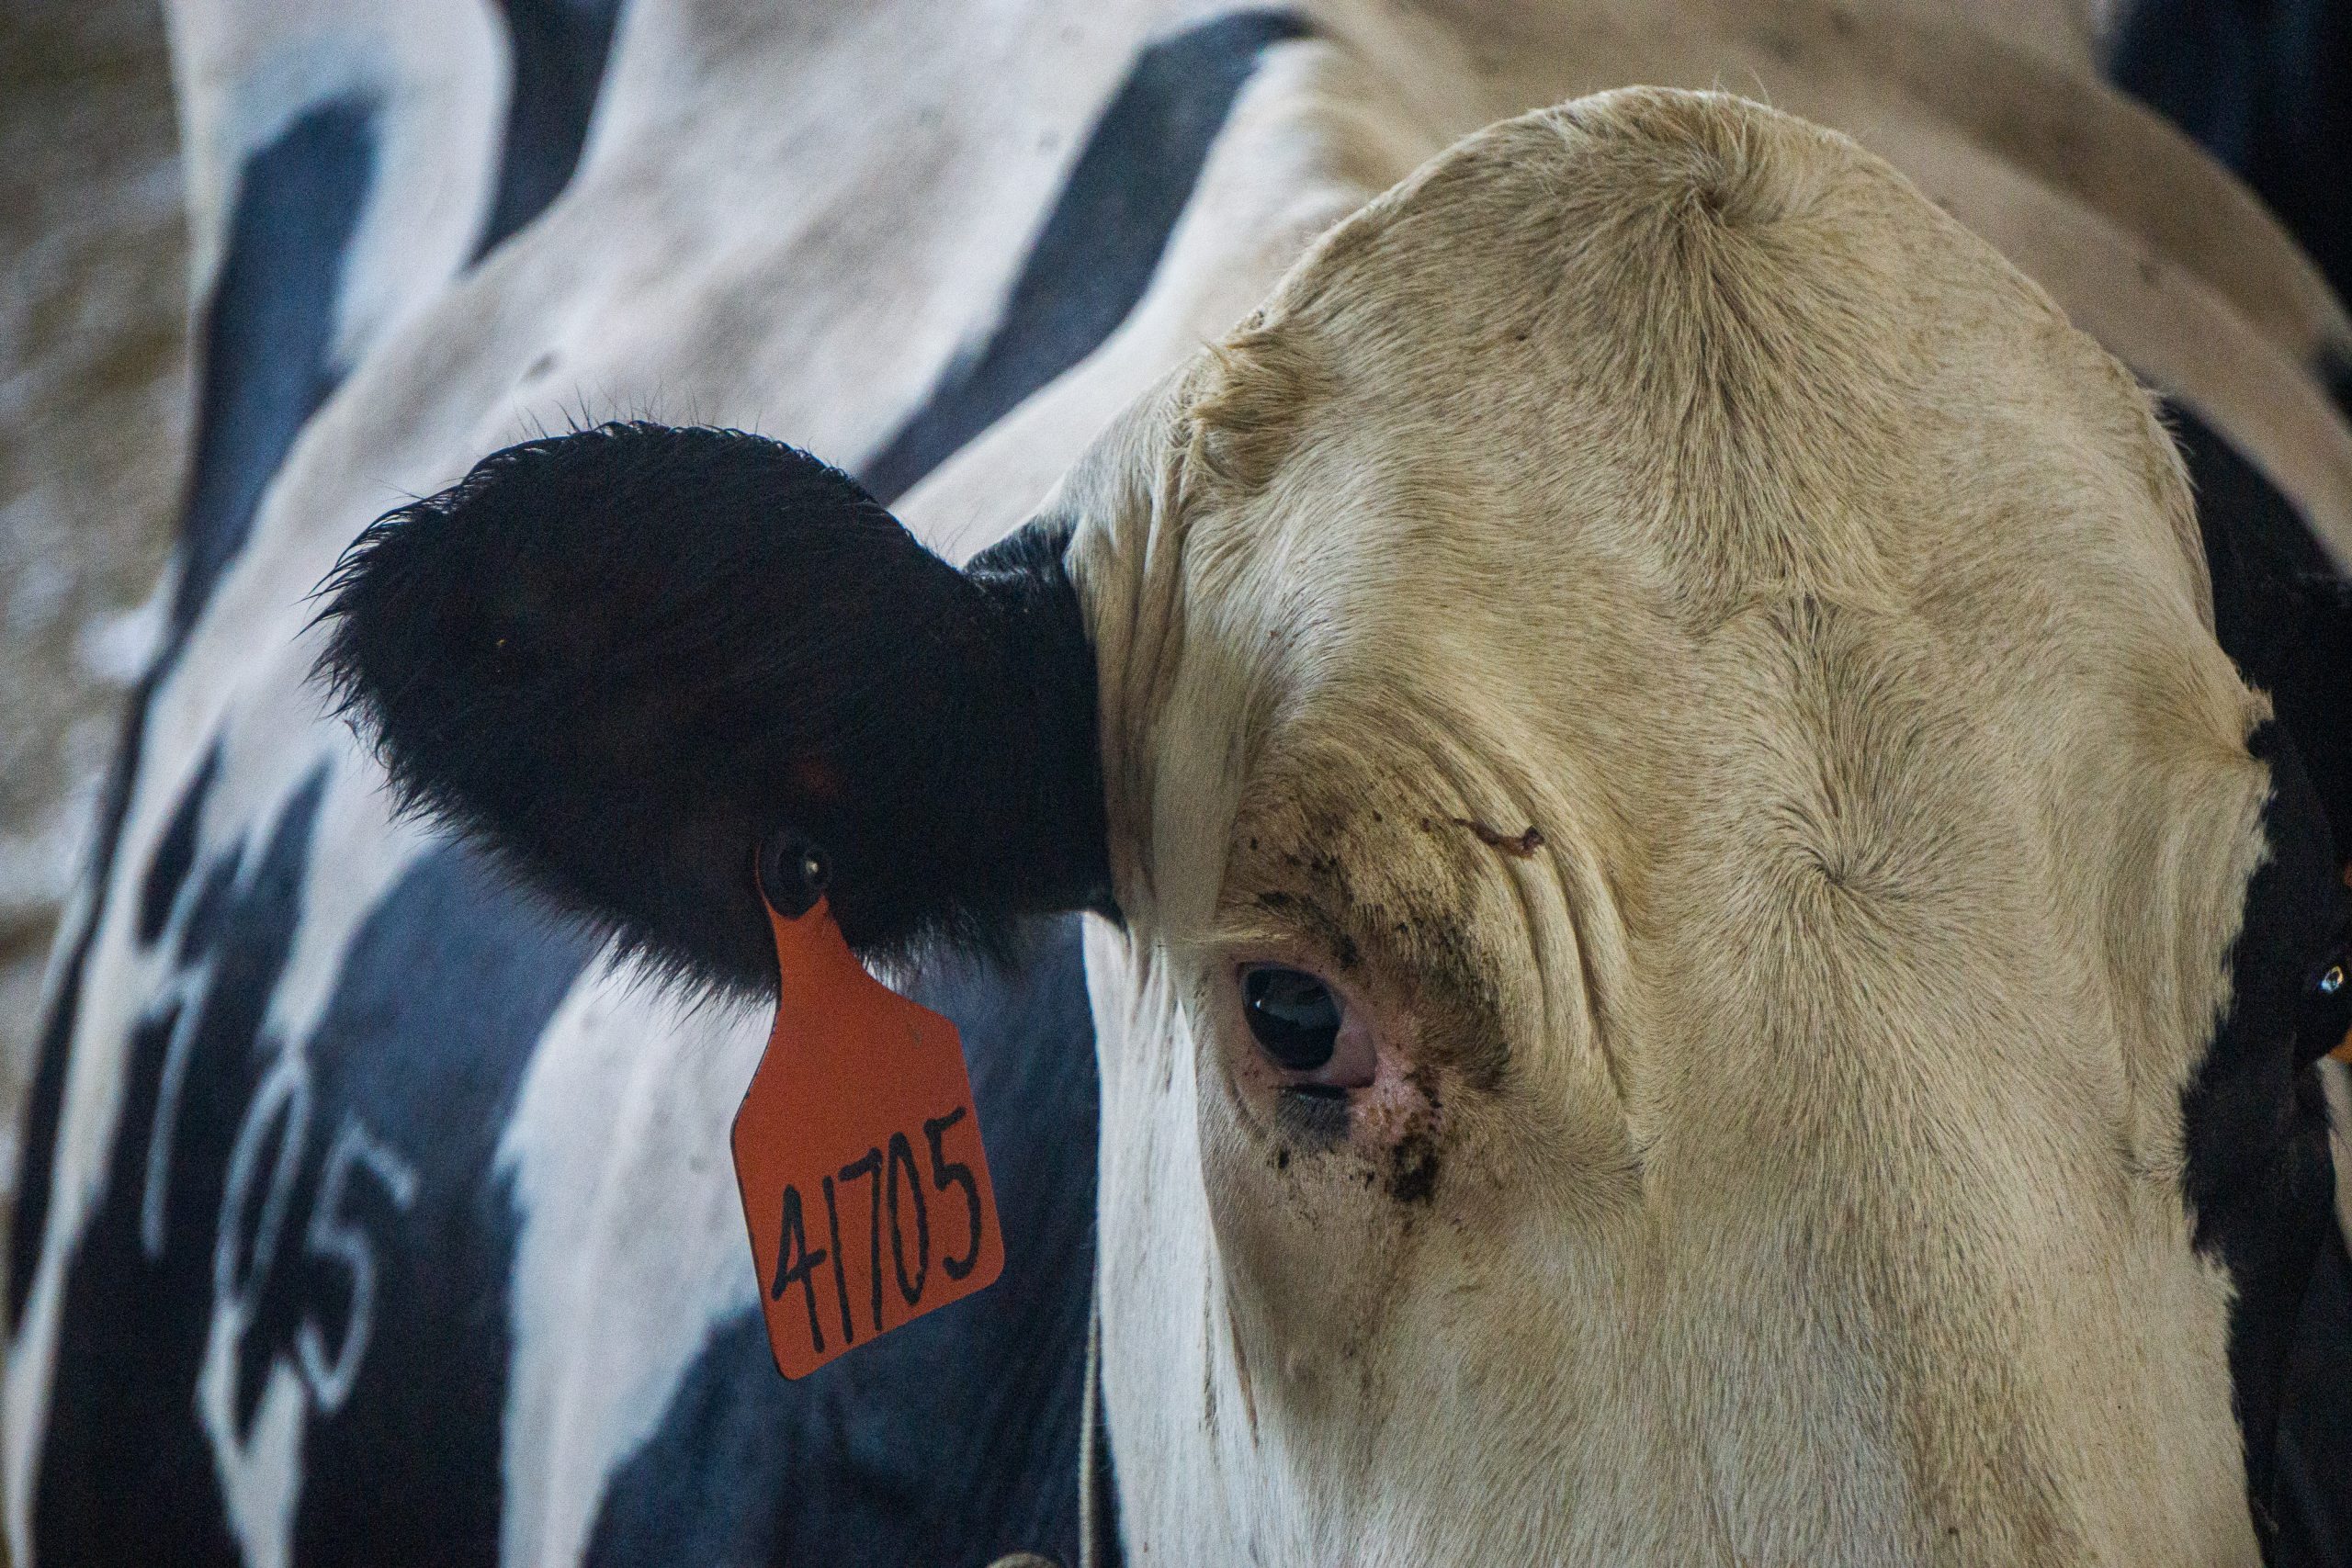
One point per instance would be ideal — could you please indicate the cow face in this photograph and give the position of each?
(1670, 823)
(1680, 823)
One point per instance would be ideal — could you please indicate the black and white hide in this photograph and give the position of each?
(375, 1204)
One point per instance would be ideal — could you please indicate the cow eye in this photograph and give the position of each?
(1294, 1015)
(2326, 1021)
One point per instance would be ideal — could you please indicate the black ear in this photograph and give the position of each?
(628, 658)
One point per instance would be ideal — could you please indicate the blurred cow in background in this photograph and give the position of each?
(370, 1214)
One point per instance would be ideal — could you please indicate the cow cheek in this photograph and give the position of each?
(1317, 1234)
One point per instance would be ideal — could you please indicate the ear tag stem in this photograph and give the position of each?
(857, 1147)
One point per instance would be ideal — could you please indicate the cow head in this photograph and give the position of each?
(1672, 826)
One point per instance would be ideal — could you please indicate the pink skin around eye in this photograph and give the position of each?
(1366, 1094)
(1355, 1053)
(1355, 1059)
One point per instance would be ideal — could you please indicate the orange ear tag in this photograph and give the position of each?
(858, 1152)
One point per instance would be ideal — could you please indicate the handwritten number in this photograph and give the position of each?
(870, 1165)
(841, 1276)
(334, 1235)
(242, 1258)
(261, 1284)
(177, 1024)
(903, 1152)
(945, 1170)
(795, 1261)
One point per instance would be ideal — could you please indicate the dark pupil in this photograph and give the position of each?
(1295, 1016)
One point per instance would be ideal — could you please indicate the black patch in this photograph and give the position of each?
(444, 995)
(365, 1235)
(2260, 1177)
(125, 1474)
(2313, 1504)
(45, 1104)
(2335, 374)
(627, 657)
(265, 340)
(560, 48)
(2266, 88)
(268, 333)
(159, 890)
(2277, 608)
(2259, 1180)
(950, 1441)
(1095, 256)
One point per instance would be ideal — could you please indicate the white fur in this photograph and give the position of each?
(1670, 476)
(1596, 1341)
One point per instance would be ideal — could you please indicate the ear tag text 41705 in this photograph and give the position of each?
(857, 1147)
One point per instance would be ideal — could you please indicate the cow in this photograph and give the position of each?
(375, 1207)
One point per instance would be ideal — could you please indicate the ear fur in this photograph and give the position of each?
(625, 657)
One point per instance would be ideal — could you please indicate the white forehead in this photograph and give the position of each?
(1680, 337)
(1625, 369)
